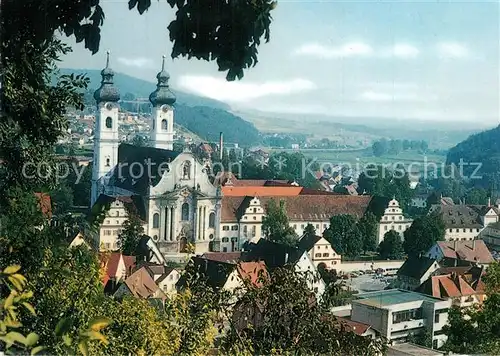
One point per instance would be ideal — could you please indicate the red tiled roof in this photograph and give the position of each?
(252, 271)
(129, 262)
(450, 286)
(300, 207)
(354, 326)
(472, 251)
(141, 284)
(112, 264)
(260, 191)
(45, 204)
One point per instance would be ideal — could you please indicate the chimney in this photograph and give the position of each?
(473, 245)
(221, 147)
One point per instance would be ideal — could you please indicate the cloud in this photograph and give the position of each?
(357, 49)
(404, 50)
(452, 50)
(220, 89)
(347, 50)
(139, 62)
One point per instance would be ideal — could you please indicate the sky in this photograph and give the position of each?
(430, 60)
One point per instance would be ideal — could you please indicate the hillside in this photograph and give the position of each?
(483, 148)
(204, 117)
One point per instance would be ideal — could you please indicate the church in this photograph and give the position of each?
(169, 191)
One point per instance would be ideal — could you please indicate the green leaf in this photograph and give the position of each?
(67, 340)
(82, 346)
(99, 323)
(31, 339)
(63, 326)
(95, 335)
(12, 269)
(37, 350)
(29, 307)
(14, 336)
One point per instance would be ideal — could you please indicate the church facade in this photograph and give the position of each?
(169, 191)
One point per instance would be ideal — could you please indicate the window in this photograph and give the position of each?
(317, 255)
(400, 218)
(477, 230)
(117, 213)
(164, 124)
(464, 230)
(211, 220)
(326, 255)
(225, 239)
(451, 230)
(156, 221)
(253, 230)
(245, 229)
(301, 226)
(295, 226)
(109, 122)
(234, 228)
(185, 212)
(406, 315)
(224, 249)
(456, 230)
(107, 162)
(225, 228)
(470, 230)
(317, 226)
(255, 218)
(211, 236)
(400, 227)
(254, 210)
(436, 318)
(117, 222)
(385, 227)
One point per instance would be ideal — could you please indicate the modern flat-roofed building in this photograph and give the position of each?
(396, 314)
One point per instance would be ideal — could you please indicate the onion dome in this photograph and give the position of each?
(107, 91)
(162, 95)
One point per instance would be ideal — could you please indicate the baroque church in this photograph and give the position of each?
(169, 191)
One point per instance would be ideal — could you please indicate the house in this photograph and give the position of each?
(148, 251)
(168, 280)
(395, 314)
(79, 240)
(464, 290)
(242, 216)
(461, 253)
(491, 235)
(278, 255)
(140, 284)
(357, 328)
(465, 222)
(229, 257)
(320, 251)
(225, 276)
(415, 271)
(116, 267)
(392, 219)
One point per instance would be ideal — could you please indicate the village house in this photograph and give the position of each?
(414, 272)
(465, 222)
(320, 251)
(461, 253)
(395, 314)
(392, 219)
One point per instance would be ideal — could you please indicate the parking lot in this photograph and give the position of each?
(368, 283)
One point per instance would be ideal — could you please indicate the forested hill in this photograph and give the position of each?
(483, 148)
(203, 116)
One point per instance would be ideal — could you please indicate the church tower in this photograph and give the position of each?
(106, 138)
(162, 98)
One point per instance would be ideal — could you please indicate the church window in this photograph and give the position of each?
(185, 212)
(156, 221)
(186, 170)
(211, 236)
(164, 124)
(107, 162)
(211, 220)
(109, 122)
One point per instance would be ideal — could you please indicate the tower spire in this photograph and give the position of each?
(107, 91)
(162, 94)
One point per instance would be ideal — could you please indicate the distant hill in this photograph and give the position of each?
(202, 116)
(483, 148)
(142, 88)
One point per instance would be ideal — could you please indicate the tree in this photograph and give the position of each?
(476, 196)
(275, 224)
(367, 226)
(310, 230)
(344, 235)
(132, 231)
(282, 317)
(391, 247)
(380, 148)
(62, 199)
(139, 141)
(423, 233)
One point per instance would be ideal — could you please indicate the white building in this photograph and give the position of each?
(170, 192)
(396, 313)
(466, 222)
(393, 219)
